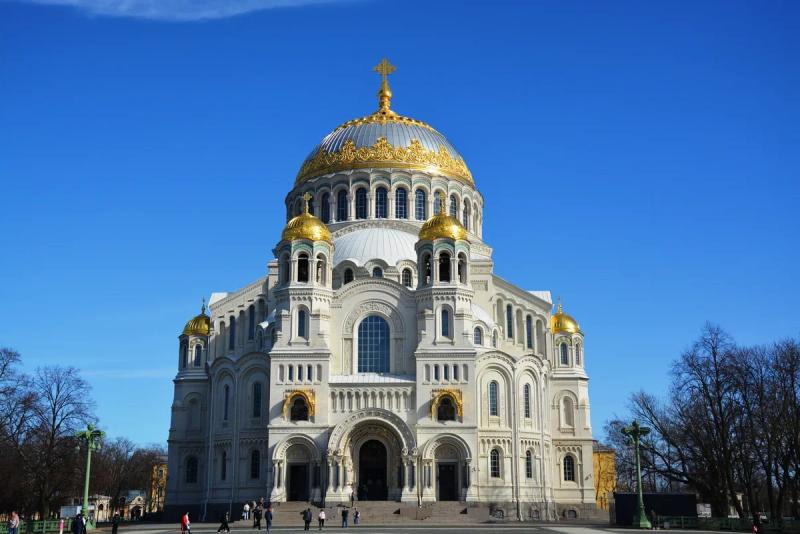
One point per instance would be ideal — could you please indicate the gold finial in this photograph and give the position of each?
(384, 68)
(560, 307)
(306, 198)
(203, 307)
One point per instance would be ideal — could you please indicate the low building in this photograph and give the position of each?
(605, 474)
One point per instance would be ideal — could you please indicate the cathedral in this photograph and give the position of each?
(379, 358)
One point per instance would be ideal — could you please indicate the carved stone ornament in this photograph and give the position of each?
(308, 396)
(454, 394)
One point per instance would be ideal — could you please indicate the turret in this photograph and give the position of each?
(193, 346)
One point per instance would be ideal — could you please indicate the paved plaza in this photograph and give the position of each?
(544, 528)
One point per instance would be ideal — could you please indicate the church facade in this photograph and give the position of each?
(379, 357)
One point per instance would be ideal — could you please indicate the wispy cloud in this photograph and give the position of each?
(177, 10)
(128, 374)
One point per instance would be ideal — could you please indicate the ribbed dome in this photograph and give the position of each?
(366, 244)
(385, 140)
(442, 225)
(560, 322)
(199, 325)
(306, 226)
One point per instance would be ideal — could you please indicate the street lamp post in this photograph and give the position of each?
(635, 433)
(91, 437)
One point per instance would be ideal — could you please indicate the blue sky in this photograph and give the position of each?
(638, 158)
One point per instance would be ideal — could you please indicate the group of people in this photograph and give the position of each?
(259, 511)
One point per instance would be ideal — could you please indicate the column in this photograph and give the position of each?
(331, 208)
(370, 205)
(330, 475)
(390, 200)
(351, 213)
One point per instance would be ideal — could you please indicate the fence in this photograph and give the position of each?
(39, 527)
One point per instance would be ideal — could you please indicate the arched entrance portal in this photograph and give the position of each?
(372, 471)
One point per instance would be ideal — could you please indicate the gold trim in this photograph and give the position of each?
(455, 394)
(383, 155)
(308, 396)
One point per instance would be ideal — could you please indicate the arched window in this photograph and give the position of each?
(494, 339)
(348, 276)
(569, 468)
(285, 269)
(298, 410)
(444, 267)
(569, 412)
(436, 373)
(577, 354)
(564, 354)
(341, 206)
(311, 207)
(509, 322)
(298, 207)
(528, 464)
(361, 203)
(232, 333)
(455, 372)
(454, 206)
(420, 205)
(446, 323)
(407, 278)
(467, 215)
(302, 268)
(257, 399)
(494, 463)
(198, 354)
(529, 332)
(299, 373)
(325, 209)
(446, 411)
(526, 400)
(291, 373)
(223, 466)
(191, 470)
(493, 408)
(184, 353)
(381, 204)
(302, 324)
(426, 268)
(462, 269)
(477, 336)
(251, 322)
(321, 269)
(377, 272)
(225, 402)
(255, 464)
(437, 202)
(401, 203)
(373, 345)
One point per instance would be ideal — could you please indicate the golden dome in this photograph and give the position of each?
(385, 140)
(561, 322)
(442, 225)
(306, 226)
(200, 325)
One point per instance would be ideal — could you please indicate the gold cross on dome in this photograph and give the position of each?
(384, 68)
(306, 197)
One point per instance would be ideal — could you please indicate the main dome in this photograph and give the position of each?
(385, 140)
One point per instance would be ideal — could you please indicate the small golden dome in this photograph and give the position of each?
(442, 225)
(561, 322)
(200, 325)
(306, 226)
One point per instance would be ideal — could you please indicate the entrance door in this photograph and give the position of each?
(298, 482)
(447, 482)
(372, 483)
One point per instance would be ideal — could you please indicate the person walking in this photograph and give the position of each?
(257, 517)
(13, 523)
(307, 516)
(246, 511)
(356, 516)
(186, 525)
(345, 513)
(78, 526)
(223, 523)
(321, 518)
(115, 523)
(268, 517)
